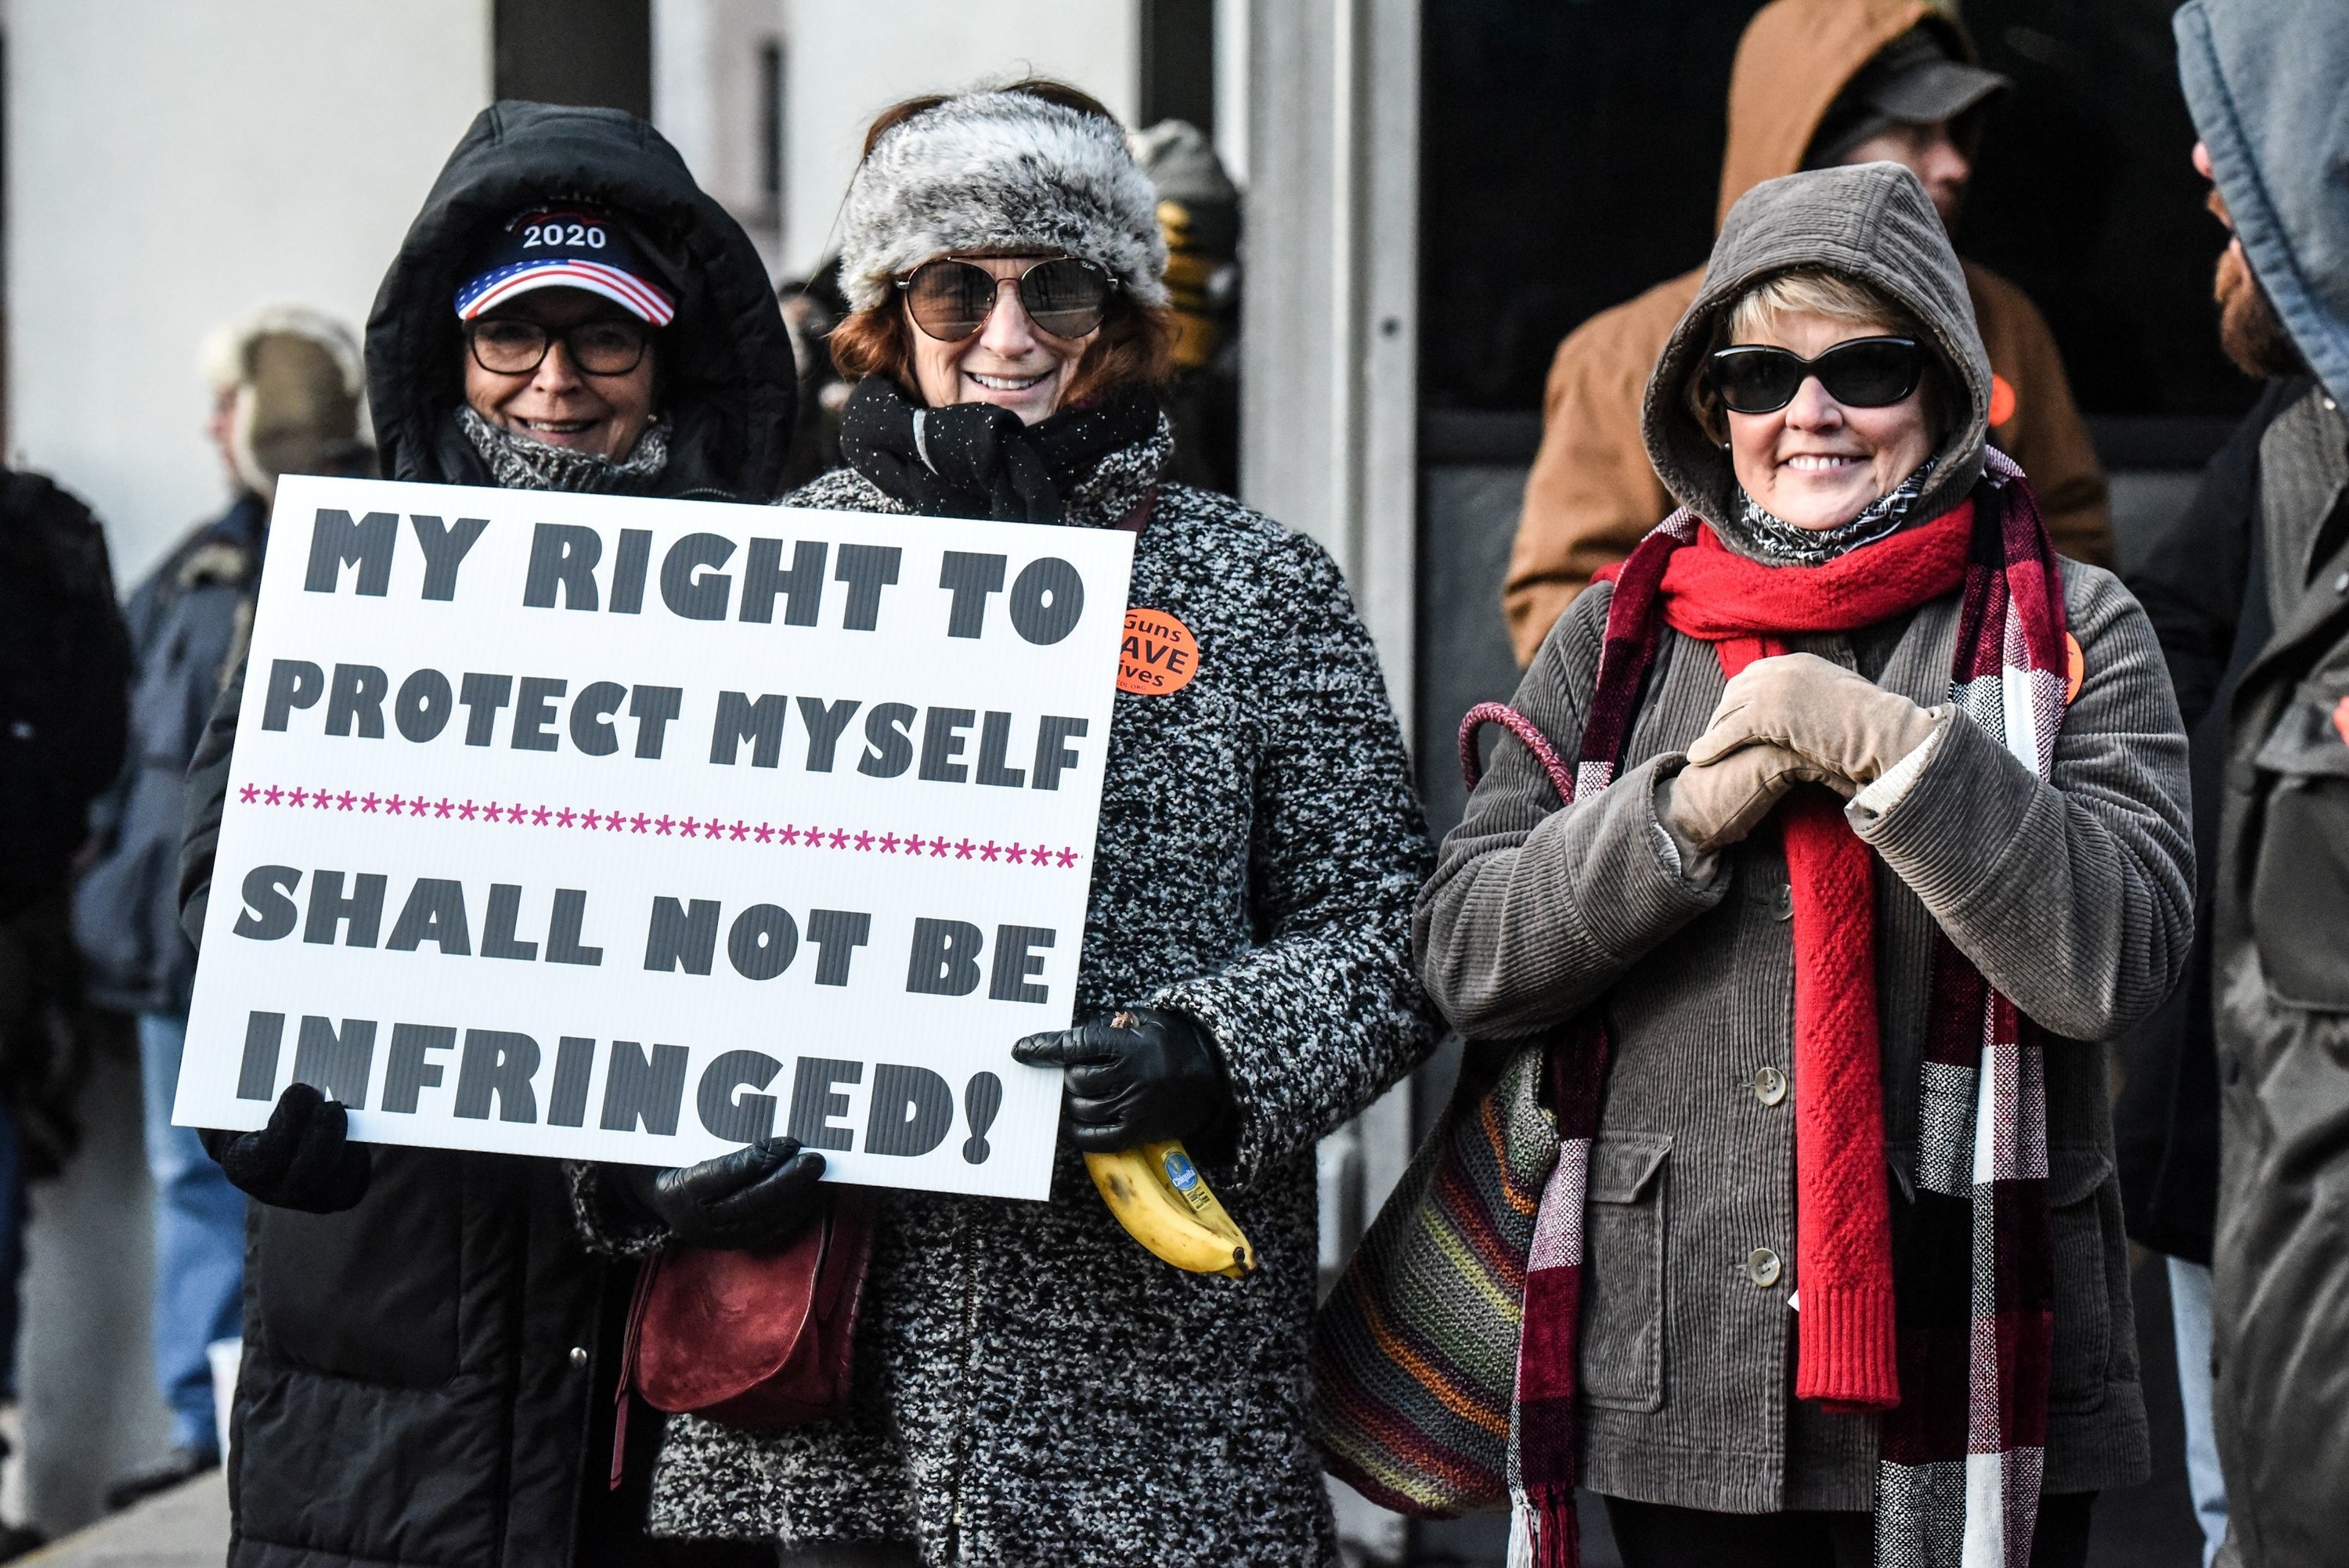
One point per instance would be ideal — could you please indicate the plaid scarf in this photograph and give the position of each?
(1963, 1453)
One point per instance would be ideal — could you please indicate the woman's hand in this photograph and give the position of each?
(303, 1160)
(1829, 715)
(760, 1196)
(1142, 1077)
(1708, 805)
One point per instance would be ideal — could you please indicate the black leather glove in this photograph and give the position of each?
(760, 1196)
(1141, 1076)
(303, 1160)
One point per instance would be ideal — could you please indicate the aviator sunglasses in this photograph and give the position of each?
(1865, 373)
(1067, 296)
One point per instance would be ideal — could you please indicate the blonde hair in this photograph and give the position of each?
(1814, 291)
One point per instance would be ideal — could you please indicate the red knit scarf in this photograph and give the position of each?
(1843, 1249)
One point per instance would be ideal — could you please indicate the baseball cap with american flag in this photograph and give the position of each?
(565, 246)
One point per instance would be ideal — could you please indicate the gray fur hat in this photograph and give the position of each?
(999, 171)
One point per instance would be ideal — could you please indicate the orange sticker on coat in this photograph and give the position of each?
(2075, 668)
(2001, 400)
(1158, 656)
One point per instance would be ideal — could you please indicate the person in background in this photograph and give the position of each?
(1199, 214)
(64, 669)
(286, 386)
(811, 308)
(2262, 79)
(2206, 587)
(1816, 83)
(430, 1356)
(1245, 983)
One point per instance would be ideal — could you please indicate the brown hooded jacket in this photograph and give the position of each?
(1592, 493)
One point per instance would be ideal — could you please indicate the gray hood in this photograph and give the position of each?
(2264, 79)
(1871, 221)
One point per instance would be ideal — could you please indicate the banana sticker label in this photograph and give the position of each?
(1158, 656)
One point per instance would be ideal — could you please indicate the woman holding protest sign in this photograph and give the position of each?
(1031, 1385)
(424, 1337)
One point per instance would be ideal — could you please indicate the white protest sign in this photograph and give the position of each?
(633, 830)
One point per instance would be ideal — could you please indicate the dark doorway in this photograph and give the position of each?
(595, 52)
(1178, 62)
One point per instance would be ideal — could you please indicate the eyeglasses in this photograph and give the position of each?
(1066, 296)
(504, 345)
(1865, 373)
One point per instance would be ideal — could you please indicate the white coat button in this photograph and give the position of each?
(579, 1358)
(1786, 907)
(1761, 1266)
(1769, 1086)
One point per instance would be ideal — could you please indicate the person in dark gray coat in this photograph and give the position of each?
(1033, 1389)
(1664, 902)
(430, 1353)
(286, 385)
(2263, 81)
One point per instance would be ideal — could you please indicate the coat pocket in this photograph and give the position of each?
(371, 1293)
(1623, 1259)
(2300, 881)
(2081, 1357)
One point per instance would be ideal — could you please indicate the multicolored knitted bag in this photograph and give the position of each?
(1415, 1353)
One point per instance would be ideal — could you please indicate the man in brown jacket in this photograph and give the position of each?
(1817, 82)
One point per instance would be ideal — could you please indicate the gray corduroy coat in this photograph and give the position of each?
(2072, 894)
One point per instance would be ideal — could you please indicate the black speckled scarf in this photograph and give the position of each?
(973, 459)
(1772, 540)
(517, 462)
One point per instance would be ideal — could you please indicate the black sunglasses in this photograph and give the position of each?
(505, 345)
(1865, 373)
(1067, 296)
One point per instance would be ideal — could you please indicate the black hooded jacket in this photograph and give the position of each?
(727, 381)
(428, 1376)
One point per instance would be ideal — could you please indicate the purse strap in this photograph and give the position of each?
(621, 1401)
(1529, 733)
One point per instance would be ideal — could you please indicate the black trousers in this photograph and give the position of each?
(1655, 1535)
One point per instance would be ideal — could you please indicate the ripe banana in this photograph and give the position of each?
(1163, 1202)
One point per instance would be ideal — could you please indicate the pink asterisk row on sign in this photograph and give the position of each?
(862, 841)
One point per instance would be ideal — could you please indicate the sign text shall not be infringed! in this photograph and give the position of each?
(633, 830)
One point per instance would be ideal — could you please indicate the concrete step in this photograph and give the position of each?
(186, 1527)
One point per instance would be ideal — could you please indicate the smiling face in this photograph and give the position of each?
(558, 403)
(1817, 463)
(1009, 361)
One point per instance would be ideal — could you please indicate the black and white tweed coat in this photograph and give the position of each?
(1033, 1389)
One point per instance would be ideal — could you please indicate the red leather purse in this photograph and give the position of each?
(749, 1338)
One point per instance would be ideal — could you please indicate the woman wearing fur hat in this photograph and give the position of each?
(1031, 1387)
(1897, 835)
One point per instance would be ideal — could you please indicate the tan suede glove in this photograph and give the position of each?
(1704, 807)
(1837, 720)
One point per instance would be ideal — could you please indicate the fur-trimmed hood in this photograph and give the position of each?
(727, 376)
(1872, 223)
(299, 394)
(999, 171)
